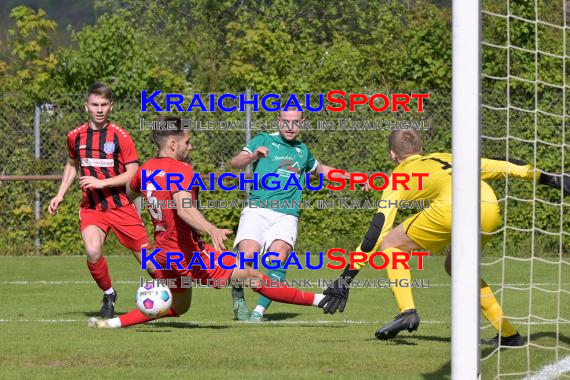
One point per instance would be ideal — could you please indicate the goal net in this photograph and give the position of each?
(524, 109)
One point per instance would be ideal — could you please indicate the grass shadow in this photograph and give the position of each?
(406, 339)
(92, 314)
(280, 316)
(158, 325)
(443, 372)
(545, 334)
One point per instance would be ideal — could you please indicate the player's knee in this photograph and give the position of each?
(398, 239)
(248, 247)
(248, 255)
(94, 252)
(281, 257)
(388, 242)
(282, 248)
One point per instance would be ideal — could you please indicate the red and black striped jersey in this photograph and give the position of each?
(171, 233)
(102, 154)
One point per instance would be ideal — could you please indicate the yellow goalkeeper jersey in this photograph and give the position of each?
(437, 186)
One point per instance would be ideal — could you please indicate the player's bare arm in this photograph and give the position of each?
(69, 173)
(244, 158)
(325, 169)
(120, 180)
(132, 193)
(194, 218)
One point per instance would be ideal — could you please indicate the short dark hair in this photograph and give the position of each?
(405, 142)
(160, 135)
(100, 89)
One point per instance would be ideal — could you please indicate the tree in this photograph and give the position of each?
(31, 58)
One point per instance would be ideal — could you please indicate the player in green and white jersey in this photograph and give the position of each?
(273, 229)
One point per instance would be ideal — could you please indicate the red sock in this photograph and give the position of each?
(135, 317)
(100, 273)
(284, 293)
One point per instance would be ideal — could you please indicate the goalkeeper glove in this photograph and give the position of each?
(336, 295)
(557, 181)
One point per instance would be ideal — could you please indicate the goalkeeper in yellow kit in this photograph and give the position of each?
(430, 229)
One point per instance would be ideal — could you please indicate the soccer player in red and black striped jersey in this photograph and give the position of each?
(106, 157)
(179, 230)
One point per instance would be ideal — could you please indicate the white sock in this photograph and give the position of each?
(109, 291)
(114, 323)
(318, 298)
(259, 309)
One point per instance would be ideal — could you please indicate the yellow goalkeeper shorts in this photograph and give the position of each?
(431, 228)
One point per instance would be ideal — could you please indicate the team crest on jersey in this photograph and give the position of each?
(109, 147)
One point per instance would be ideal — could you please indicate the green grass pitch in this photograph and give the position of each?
(44, 311)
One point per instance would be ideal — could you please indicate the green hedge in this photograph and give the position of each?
(319, 229)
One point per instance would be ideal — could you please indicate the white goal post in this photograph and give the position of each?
(466, 73)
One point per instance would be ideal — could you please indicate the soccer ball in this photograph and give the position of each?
(153, 300)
